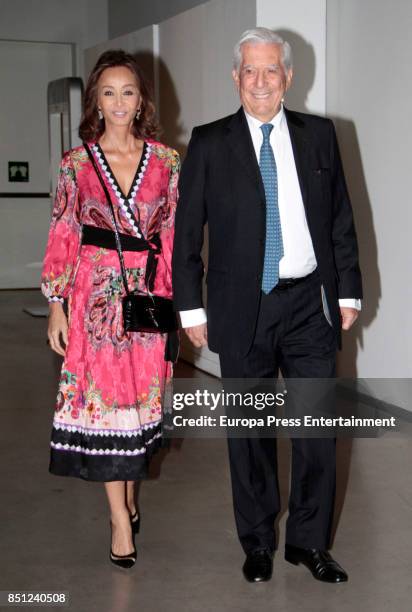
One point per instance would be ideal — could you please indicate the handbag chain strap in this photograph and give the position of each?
(116, 231)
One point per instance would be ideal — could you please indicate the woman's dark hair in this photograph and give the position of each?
(91, 127)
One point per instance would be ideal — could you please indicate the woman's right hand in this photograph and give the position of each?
(57, 329)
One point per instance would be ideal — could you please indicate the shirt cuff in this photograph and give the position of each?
(350, 303)
(190, 318)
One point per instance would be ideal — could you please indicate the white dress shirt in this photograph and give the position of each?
(299, 257)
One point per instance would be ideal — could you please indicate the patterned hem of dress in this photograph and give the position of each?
(94, 456)
(94, 443)
(104, 468)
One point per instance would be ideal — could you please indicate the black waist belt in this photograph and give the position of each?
(106, 239)
(286, 283)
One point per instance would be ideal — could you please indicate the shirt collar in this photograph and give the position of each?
(278, 121)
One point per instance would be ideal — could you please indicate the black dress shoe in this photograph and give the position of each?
(258, 566)
(124, 561)
(135, 521)
(320, 563)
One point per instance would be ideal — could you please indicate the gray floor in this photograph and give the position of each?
(54, 531)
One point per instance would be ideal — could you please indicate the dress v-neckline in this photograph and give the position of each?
(110, 172)
(126, 202)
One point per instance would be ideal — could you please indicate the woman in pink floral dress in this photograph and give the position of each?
(107, 421)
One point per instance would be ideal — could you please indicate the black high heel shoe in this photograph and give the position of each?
(124, 561)
(135, 521)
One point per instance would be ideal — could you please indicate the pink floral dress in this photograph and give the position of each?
(107, 421)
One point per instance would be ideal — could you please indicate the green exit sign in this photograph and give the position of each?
(18, 172)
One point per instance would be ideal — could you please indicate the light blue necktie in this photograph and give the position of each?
(274, 242)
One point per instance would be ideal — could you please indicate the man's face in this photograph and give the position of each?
(261, 80)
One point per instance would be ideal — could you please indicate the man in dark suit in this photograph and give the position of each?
(283, 280)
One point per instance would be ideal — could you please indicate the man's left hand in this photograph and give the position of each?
(349, 316)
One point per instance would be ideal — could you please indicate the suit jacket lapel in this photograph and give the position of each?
(300, 147)
(240, 141)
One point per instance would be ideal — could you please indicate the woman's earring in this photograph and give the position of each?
(138, 113)
(99, 112)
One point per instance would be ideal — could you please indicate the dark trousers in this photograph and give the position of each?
(292, 335)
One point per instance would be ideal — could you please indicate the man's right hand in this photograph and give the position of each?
(197, 335)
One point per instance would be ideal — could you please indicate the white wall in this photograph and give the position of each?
(302, 24)
(196, 52)
(144, 41)
(130, 15)
(81, 22)
(369, 92)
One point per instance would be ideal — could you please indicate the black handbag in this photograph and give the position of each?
(142, 312)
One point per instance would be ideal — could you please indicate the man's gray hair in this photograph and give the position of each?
(261, 36)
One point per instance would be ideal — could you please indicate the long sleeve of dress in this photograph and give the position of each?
(168, 221)
(64, 236)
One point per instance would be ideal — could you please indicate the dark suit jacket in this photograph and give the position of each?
(220, 184)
